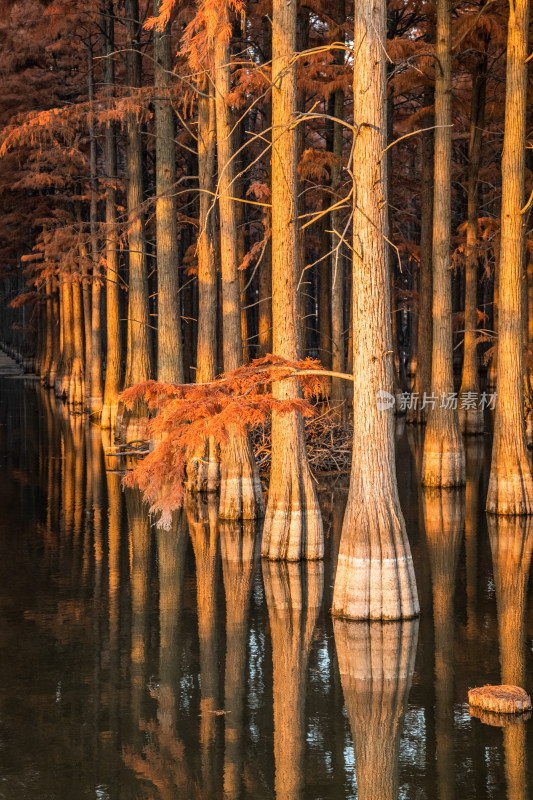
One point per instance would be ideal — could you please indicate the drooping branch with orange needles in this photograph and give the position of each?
(185, 414)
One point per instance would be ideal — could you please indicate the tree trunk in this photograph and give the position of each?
(425, 286)
(444, 458)
(65, 316)
(169, 347)
(96, 389)
(56, 335)
(337, 257)
(376, 665)
(471, 413)
(240, 493)
(293, 524)
(139, 356)
(511, 484)
(203, 470)
(113, 375)
(375, 577)
(76, 391)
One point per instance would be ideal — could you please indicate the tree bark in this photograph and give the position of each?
(375, 577)
(95, 399)
(444, 459)
(240, 492)
(169, 344)
(425, 286)
(203, 469)
(139, 367)
(113, 375)
(293, 524)
(511, 483)
(471, 415)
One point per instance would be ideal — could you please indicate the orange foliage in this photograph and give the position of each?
(185, 414)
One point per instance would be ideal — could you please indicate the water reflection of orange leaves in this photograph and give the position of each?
(164, 764)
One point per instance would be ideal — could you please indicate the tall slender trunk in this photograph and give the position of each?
(425, 285)
(293, 524)
(511, 483)
(203, 471)
(444, 458)
(375, 577)
(48, 336)
(240, 494)
(66, 344)
(96, 389)
(139, 355)
(169, 345)
(471, 414)
(337, 256)
(113, 375)
(265, 268)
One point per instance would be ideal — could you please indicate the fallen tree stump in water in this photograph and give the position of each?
(502, 699)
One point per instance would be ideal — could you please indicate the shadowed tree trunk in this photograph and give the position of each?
(76, 388)
(337, 258)
(471, 414)
(237, 544)
(444, 515)
(375, 577)
(444, 460)
(293, 595)
(169, 348)
(66, 336)
(113, 375)
(240, 488)
(511, 484)
(95, 399)
(203, 469)
(425, 286)
(56, 336)
(511, 541)
(376, 664)
(293, 524)
(139, 366)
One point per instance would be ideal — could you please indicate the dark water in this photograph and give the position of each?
(138, 663)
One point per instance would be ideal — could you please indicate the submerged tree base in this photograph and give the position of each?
(241, 494)
(375, 578)
(203, 469)
(443, 464)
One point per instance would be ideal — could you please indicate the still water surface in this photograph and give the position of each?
(139, 663)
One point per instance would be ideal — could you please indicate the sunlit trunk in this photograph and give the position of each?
(511, 484)
(293, 524)
(444, 460)
(375, 577)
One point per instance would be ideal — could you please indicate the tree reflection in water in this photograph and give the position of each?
(376, 663)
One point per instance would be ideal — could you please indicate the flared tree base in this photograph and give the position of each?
(510, 488)
(375, 578)
(203, 469)
(241, 495)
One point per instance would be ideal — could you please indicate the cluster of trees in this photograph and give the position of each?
(287, 178)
